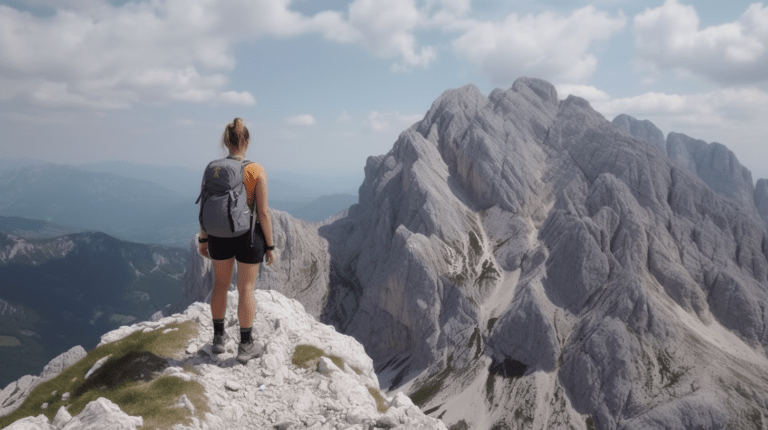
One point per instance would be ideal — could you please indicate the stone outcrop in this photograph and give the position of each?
(17, 391)
(98, 415)
(714, 163)
(336, 389)
(761, 199)
(643, 130)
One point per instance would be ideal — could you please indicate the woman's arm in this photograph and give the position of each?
(262, 212)
(202, 247)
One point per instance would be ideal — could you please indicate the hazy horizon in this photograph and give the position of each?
(324, 84)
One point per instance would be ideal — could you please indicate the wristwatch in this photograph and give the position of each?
(271, 248)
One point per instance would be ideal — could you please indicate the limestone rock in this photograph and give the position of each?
(715, 164)
(61, 362)
(643, 130)
(62, 418)
(184, 402)
(761, 199)
(102, 414)
(97, 415)
(16, 392)
(97, 365)
(523, 248)
(39, 422)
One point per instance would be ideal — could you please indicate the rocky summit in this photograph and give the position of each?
(518, 261)
(309, 376)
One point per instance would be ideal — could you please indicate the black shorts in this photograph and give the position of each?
(240, 247)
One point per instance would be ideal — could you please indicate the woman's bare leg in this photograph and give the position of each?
(246, 280)
(222, 272)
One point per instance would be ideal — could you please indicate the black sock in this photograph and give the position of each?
(218, 327)
(245, 335)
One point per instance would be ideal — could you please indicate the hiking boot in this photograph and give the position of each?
(247, 351)
(220, 342)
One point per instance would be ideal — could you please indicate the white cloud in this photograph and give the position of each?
(302, 120)
(547, 45)
(726, 108)
(669, 37)
(384, 28)
(382, 122)
(242, 98)
(91, 53)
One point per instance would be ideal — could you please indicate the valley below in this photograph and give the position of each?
(69, 290)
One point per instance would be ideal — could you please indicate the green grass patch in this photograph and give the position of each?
(381, 402)
(337, 361)
(153, 401)
(72, 378)
(430, 387)
(307, 356)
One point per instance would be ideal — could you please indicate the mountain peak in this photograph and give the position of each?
(543, 89)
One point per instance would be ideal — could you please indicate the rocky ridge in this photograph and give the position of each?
(17, 249)
(331, 392)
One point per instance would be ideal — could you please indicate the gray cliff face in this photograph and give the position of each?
(518, 260)
(761, 199)
(643, 130)
(715, 164)
(521, 235)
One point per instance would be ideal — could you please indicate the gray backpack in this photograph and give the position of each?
(223, 201)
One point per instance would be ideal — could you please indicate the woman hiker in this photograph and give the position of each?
(225, 250)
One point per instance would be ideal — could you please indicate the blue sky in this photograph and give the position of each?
(323, 84)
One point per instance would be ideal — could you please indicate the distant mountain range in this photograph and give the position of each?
(34, 229)
(64, 291)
